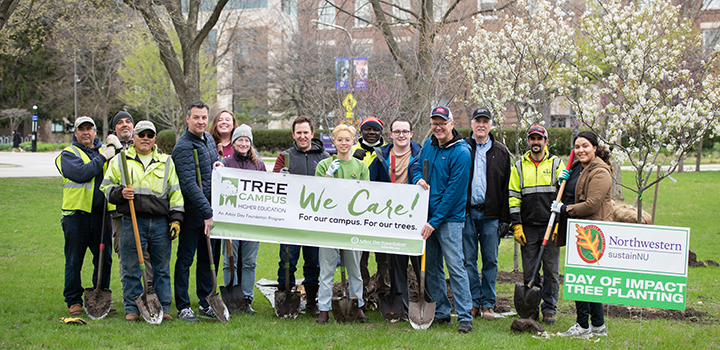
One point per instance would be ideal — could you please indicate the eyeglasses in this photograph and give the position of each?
(435, 125)
(148, 135)
(401, 132)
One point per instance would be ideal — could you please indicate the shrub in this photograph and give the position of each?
(166, 140)
(560, 139)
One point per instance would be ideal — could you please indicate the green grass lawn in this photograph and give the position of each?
(31, 301)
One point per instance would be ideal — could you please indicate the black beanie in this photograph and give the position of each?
(118, 116)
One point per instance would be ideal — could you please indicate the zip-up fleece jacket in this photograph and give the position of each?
(497, 177)
(448, 175)
(157, 189)
(239, 161)
(380, 167)
(533, 189)
(197, 203)
(298, 162)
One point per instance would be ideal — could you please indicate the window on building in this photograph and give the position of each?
(57, 127)
(289, 7)
(363, 9)
(326, 13)
(398, 13)
(487, 5)
(711, 4)
(711, 38)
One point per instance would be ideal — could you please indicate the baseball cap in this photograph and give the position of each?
(144, 125)
(442, 112)
(537, 129)
(79, 121)
(482, 112)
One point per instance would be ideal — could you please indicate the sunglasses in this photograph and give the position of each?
(148, 135)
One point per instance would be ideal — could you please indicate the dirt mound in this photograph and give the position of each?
(693, 261)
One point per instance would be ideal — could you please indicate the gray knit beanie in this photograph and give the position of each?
(242, 130)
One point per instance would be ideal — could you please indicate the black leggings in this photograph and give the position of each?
(587, 309)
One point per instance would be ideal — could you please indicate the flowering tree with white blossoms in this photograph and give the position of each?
(516, 63)
(638, 84)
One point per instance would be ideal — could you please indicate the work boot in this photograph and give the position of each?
(167, 317)
(76, 309)
(248, 309)
(113, 310)
(549, 318)
(474, 311)
(311, 297)
(465, 327)
(323, 317)
(361, 316)
(132, 317)
(488, 313)
(444, 321)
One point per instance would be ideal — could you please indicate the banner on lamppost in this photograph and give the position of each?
(361, 73)
(626, 264)
(318, 211)
(342, 73)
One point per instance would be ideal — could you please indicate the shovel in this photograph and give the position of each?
(215, 301)
(148, 303)
(97, 301)
(421, 313)
(391, 304)
(527, 297)
(287, 302)
(233, 298)
(344, 308)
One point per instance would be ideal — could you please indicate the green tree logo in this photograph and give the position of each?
(228, 192)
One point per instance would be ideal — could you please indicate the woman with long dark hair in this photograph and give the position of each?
(221, 130)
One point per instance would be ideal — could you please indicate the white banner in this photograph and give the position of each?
(318, 211)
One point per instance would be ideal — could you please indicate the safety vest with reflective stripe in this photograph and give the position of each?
(76, 196)
(532, 189)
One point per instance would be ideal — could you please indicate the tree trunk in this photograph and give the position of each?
(616, 193)
(681, 164)
(639, 208)
(699, 154)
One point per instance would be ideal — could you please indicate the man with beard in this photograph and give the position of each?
(532, 190)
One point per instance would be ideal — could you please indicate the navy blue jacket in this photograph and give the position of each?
(380, 167)
(197, 203)
(449, 174)
(74, 169)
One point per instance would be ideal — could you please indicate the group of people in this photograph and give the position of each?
(476, 196)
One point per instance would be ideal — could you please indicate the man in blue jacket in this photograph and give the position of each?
(405, 152)
(198, 218)
(448, 176)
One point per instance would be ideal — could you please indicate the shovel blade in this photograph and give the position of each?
(217, 305)
(391, 306)
(421, 314)
(97, 302)
(526, 301)
(287, 304)
(150, 308)
(345, 309)
(233, 298)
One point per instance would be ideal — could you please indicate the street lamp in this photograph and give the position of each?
(33, 147)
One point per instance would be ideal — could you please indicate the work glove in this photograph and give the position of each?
(359, 153)
(519, 234)
(503, 229)
(564, 175)
(556, 207)
(333, 168)
(113, 140)
(109, 152)
(174, 229)
(72, 320)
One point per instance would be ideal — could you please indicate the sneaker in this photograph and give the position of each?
(76, 309)
(445, 321)
(206, 312)
(167, 317)
(577, 331)
(465, 327)
(488, 313)
(549, 318)
(187, 315)
(132, 317)
(602, 330)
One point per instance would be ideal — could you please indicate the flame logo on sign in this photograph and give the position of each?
(590, 243)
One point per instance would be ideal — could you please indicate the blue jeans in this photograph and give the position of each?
(311, 267)
(82, 231)
(245, 263)
(154, 234)
(192, 239)
(484, 231)
(446, 242)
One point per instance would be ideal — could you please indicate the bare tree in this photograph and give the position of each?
(15, 116)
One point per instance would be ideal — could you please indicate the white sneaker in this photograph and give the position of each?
(602, 330)
(577, 331)
(206, 312)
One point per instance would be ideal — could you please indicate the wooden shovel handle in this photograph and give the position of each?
(123, 161)
(551, 222)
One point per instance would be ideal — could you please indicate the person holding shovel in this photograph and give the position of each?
(487, 208)
(198, 218)
(587, 196)
(448, 175)
(83, 208)
(244, 157)
(155, 190)
(532, 190)
(342, 166)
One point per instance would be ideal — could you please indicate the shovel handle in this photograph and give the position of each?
(287, 268)
(212, 263)
(232, 261)
(551, 222)
(342, 272)
(422, 276)
(392, 167)
(133, 218)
